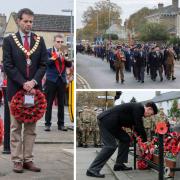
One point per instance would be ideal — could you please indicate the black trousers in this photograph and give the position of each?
(110, 144)
(52, 89)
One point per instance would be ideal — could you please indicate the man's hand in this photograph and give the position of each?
(33, 91)
(29, 85)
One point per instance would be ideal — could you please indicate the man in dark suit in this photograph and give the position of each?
(56, 82)
(110, 124)
(24, 60)
(141, 64)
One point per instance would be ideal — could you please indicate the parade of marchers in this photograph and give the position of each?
(152, 59)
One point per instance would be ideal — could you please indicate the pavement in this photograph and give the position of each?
(86, 155)
(53, 153)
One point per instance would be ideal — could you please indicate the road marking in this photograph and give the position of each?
(83, 82)
(69, 150)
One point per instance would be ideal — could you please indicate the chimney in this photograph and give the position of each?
(175, 3)
(160, 5)
(158, 93)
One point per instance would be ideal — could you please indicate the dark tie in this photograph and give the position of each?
(26, 43)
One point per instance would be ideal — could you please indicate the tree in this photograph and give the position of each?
(174, 40)
(137, 19)
(153, 32)
(174, 111)
(100, 13)
(113, 36)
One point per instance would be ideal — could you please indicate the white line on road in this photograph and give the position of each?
(69, 150)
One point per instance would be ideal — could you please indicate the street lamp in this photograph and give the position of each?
(71, 36)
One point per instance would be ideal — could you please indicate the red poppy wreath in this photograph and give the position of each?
(28, 114)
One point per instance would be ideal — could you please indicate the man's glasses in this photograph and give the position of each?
(26, 21)
(60, 42)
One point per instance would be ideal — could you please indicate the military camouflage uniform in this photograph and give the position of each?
(95, 129)
(150, 122)
(86, 126)
(79, 129)
(149, 126)
(160, 116)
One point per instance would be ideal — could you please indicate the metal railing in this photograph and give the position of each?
(159, 167)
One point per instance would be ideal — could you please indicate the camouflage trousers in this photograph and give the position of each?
(96, 137)
(79, 136)
(86, 131)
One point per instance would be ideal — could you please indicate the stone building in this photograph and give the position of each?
(44, 25)
(2, 29)
(119, 30)
(168, 16)
(165, 100)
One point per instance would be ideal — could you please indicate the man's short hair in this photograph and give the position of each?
(153, 106)
(58, 36)
(24, 11)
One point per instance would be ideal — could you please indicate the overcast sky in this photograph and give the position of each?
(128, 7)
(38, 6)
(139, 95)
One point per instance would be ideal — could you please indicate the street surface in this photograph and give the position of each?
(86, 155)
(96, 74)
(53, 153)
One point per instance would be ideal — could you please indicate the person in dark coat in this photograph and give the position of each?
(156, 63)
(56, 81)
(141, 64)
(111, 123)
(24, 62)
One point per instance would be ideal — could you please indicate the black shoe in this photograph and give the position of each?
(173, 78)
(80, 145)
(161, 79)
(47, 128)
(121, 167)
(142, 81)
(122, 81)
(62, 128)
(94, 174)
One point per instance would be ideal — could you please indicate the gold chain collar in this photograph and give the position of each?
(28, 53)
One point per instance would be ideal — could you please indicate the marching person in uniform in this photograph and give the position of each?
(111, 123)
(119, 64)
(170, 57)
(24, 60)
(56, 82)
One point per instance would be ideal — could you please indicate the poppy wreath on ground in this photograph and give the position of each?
(1, 131)
(28, 114)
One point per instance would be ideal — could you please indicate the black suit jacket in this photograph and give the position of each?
(14, 62)
(124, 115)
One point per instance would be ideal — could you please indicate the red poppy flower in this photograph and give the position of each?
(54, 55)
(161, 128)
(142, 165)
